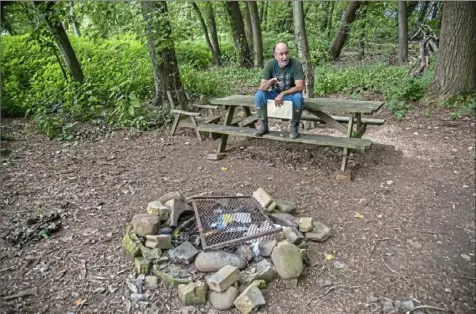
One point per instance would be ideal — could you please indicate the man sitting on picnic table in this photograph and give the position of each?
(284, 75)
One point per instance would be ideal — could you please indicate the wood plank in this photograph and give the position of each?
(195, 126)
(204, 106)
(327, 119)
(342, 119)
(249, 121)
(360, 131)
(224, 138)
(325, 104)
(322, 140)
(350, 127)
(214, 119)
(187, 113)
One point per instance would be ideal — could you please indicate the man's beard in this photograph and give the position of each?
(283, 64)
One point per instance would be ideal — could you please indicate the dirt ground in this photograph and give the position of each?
(415, 189)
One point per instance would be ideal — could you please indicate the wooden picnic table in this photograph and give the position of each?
(320, 110)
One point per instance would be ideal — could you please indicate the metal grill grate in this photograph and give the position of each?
(230, 221)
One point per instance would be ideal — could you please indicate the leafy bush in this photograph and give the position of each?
(389, 81)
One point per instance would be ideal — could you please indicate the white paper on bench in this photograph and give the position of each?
(285, 111)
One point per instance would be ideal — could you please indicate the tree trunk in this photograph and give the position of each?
(423, 9)
(456, 67)
(73, 20)
(363, 25)
(402, 32)
(324, 16)
(341, 36)
(303, 47)
(216, 57)
(213, 29)
(238, 31)
(162, 53)
(62, 41)
(257, 40)
(248, 28)
(329, 20)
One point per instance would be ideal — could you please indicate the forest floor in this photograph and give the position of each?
(415, 189)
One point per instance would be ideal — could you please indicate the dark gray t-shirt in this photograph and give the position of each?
(286, 77)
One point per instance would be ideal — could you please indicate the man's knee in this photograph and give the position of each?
(298, 101)
(260, 99)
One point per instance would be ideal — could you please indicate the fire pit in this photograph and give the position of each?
(230, 221)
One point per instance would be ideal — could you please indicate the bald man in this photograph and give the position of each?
(285, 77)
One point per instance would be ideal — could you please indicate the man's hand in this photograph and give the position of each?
(279, 99)
(266, 84)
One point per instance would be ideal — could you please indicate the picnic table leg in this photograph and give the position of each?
(361, 127)
(195, 125)
(350, 127)
(247, 111)
(220, 153)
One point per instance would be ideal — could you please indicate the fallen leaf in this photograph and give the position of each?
(329, 257)
(358, 215)
(224, 169)
(79, 302)
(466, 257)
(131, 286)
(112, 288)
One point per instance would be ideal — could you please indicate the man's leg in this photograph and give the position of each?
(261, 100)
(298, 106)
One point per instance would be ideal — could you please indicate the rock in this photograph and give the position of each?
(284, 219)
(264, 270)
(152, 255)
(223, 279)
(305, 256)
(172, 196)
(263, 198)
(266, 247)
(172, 275)
(414, 244)
(388, 306)
(165, 230)
(144, 224)
(407, 305)
(285, 206)
(158, 209)
(249, 300)
(131, 245)
(292, 235)
(194, 293)
(142, 265)
(305, 224)
(213, 261)
(261, 284)
(224, 300)
(325, 282)
(162, 241)
(320, 232)
(245, 252)
(151, 280)
(136, 297)
(287, 260)
(184, 253)
(271, 207)
(177, 208)
(397, 304)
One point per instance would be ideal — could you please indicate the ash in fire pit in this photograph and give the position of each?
(230, 221)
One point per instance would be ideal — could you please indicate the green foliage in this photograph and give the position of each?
(463, 104)
(118, 81)
(390, 81)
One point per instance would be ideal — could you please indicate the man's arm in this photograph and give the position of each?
(266, 84)
(298, 88)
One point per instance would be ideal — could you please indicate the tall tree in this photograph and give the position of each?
(257, 40)
(212, 28)
(303, 47)
(248, 28)
(402, 32)
(73, 20)
(45, 10)
(162, 52)
(238, 31)
(456, 67)
(216, 56)
(342, 33)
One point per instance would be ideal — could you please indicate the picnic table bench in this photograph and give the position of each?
(319, 109)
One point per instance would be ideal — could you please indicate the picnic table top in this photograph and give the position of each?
(321, 104)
